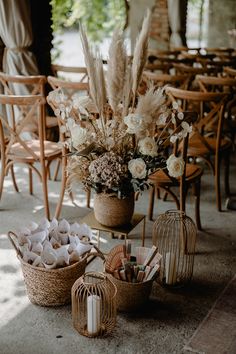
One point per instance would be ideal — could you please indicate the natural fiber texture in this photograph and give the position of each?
(99, 285)
(113, 259)
(112, 211)
(131, 296)
(51, 287)
(116, 70)
(140, 53)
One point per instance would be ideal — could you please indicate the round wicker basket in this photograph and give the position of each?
(112, 211)
(131, 296)
(51, 287)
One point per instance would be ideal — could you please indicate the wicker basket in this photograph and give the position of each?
(112, 211)
(49, 287)
(131, 296)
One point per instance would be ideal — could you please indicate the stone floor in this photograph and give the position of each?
(168, 321)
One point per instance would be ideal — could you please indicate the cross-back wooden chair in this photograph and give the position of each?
(29, 152)
(28, 85)
(78, 73)
(204, 141)
(191, 178)
(226, 85)
(191, 71)
(69, 88)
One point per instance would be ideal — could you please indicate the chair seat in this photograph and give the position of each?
(18, 152)
(196, 147)
(192, 172)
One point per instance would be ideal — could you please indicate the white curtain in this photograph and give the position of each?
(175, 23)
(16, 34)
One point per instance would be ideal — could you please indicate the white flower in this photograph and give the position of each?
(175, 105)
(173, 138)
(83, 103)
(175, 166)
(78, 135)
(147, 146)
(137, 168)
(180, 116)
(135, 123)
(186, 127)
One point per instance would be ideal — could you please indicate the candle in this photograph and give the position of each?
(170, 268)
(93, 314)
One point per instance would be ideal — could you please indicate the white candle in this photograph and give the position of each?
(93, 314)
(170, 268)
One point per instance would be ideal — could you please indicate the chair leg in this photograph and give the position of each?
(45, 190)
(88, 198)
(62, 191)
(56, 170)
(151, 202)
(227, 165)
(14, 179)
(217, 183)
(197, 191)
(30, 181)
(2, 176)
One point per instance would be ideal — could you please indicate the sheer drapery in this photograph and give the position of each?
(175, 23)
(16, 34)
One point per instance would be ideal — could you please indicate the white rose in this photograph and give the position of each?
(137, 168)
(147, 146)
(78, 135)
(134, 122)
(175, 166)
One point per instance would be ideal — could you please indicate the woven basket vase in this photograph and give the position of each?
(111, 211)
(131, 296)
(51, 287)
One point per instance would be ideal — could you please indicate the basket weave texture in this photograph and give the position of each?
(51, 287)
(131, 296)
(112, 211)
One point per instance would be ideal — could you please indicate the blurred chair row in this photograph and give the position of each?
(211, 139)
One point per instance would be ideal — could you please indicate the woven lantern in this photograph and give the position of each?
(174, 234)
(94, 304)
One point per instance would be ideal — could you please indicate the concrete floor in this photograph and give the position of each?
(168, 321)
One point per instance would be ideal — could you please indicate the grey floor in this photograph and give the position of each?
(168, 321)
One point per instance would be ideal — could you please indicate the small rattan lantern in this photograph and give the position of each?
(174, 234)
(94, 304)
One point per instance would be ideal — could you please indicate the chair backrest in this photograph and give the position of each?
(210, 107)
(14, 83)
(164, 79)
(33, 105)
(68, 87)
(75, 73)
(230, 71)
(20, 85)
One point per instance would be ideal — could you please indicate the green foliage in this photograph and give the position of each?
(98, 16)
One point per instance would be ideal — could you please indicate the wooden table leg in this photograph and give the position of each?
(143, 231)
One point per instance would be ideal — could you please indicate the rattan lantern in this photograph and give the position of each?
(94, 304)
(174, 234)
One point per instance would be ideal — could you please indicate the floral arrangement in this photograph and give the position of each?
(116, 136)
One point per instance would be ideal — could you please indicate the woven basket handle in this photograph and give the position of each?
(11, 235)
(98, 253)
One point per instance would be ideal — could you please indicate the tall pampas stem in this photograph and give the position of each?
(116, 70)
(140, 54)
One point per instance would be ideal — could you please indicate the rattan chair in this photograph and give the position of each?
(205, 141)
(191, 177)
(29, 152)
